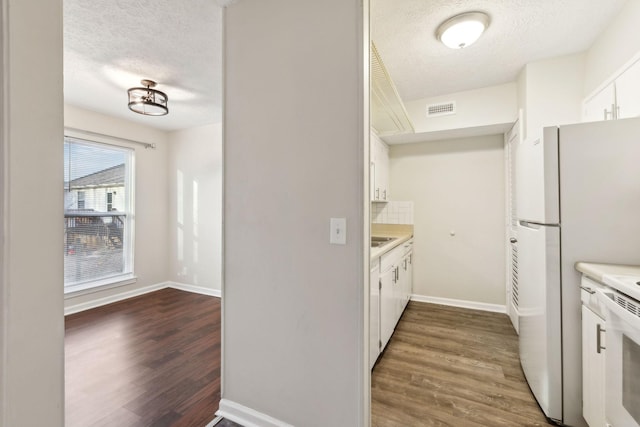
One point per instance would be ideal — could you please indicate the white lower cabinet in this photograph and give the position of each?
(374, 313)
(387, 305)
(593, 354)
(395, 288)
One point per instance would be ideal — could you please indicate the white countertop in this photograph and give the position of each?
(598, 271)
(381, 250)
(618, 276)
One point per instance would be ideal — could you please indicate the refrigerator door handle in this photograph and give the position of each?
(531, 225)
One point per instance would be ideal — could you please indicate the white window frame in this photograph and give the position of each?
(128, 244)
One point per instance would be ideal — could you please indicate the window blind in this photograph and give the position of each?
(97, 217)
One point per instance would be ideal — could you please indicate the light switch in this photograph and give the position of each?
(338, 231)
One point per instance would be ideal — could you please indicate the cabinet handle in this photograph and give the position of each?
(599, 346)
(513, 240)
(384, 194)
(589, 290)
(377, 193)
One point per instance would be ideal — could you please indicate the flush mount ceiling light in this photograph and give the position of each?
(148, 101)
(462, 30)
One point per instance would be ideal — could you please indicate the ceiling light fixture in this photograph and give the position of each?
(462, 30)
(148, 101)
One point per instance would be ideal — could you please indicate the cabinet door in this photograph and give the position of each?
(384, 172)
(380, 178)
(628, 92)
(398, 288)
(372, 180)
(387, 306)
(409, 281)
(374, 316)
(600, 106)
(592, 368)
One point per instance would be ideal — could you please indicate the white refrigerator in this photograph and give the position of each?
(578, 199)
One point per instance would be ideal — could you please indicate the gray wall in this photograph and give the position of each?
(32, 326)
(456, 185)
(195, 206)
(294, 156)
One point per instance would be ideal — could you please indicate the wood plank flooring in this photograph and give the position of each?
(447, 366)
(153, 360)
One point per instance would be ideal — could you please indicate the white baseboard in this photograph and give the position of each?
(196, 289)
(76, 308)
(247, 417)
(495, 308)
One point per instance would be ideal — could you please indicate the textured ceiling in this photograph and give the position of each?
(521, 31)
(110, 45)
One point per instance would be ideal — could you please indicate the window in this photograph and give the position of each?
(98, 214)
(80, 199)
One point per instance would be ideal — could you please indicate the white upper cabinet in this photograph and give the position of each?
(620, 99)
(628, 92)
(601, 106)
(379, 169)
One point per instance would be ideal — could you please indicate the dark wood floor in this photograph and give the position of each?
(153, 360)
(447, 366)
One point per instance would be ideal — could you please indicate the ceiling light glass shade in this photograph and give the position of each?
(462, 30)
(148, 101)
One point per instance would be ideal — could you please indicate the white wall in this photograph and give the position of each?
(294, 156)
(151, 251)
(32, 323)
(613, 48)
(456, 186)
(553, 93)
(494, 105)
(195, 206)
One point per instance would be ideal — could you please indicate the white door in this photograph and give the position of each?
(539, 314)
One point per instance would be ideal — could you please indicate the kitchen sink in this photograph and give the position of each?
(382, 239)
(377, 241)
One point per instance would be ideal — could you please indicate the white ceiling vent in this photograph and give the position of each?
(388, 115)
(442, 109)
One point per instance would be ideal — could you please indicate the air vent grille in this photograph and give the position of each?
(441, 109)
(628, 304)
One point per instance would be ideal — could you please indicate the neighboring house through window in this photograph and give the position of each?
(80, 199)
(98, 214)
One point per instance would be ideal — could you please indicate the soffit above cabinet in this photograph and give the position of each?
(388, 115)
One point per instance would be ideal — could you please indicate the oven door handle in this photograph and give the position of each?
(604, 296)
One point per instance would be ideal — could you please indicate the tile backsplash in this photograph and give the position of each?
(392, 213)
